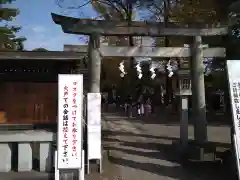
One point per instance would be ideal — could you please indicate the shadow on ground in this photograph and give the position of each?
(183, 170)
(110, 172)
(108, 133)
(169, 117)
(204, 172)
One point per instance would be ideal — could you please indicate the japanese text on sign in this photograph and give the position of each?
(65, 125)
(236, 100)
(70, 93)
(74, 116)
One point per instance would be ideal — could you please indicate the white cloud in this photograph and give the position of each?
(39, 29)
(52, 39)
(49, 42)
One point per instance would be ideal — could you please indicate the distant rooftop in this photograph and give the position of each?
(46, 55)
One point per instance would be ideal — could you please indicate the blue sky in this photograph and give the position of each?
(38, 27)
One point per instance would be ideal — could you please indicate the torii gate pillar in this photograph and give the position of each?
(94, 63)
(198, 91)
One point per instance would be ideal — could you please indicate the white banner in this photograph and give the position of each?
(94, 125)
(70, 93)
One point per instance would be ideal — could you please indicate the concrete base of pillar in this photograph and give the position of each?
(5, 157)
(24, 157)
(195, 152)
(45, 157)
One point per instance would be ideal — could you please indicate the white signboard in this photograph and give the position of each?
(94, 125)
(233, 68)
(70, 93)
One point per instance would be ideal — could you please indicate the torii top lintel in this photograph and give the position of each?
(137, 28)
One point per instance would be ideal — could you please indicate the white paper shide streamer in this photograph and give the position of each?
(139, 70)
(122, 70)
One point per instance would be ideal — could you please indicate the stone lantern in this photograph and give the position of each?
(184, 86)
(183, 92)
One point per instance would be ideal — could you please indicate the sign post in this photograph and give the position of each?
(94, 128)
(69, 142)
(233, 67)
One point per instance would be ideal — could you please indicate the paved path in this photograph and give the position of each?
(143, 149)
(140, 149)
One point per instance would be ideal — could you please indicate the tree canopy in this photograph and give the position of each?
(179, 12)
(40, 49)
(8, 38)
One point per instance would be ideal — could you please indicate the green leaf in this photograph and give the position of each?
(8, 14)
(6, 1)
(102, 9)
(40, 49)
(8, 38)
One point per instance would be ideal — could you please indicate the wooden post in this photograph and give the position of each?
(94, 63)
(198, 91)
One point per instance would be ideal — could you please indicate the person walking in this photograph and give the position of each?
(148, 107)
(129, 106)
(140, 105)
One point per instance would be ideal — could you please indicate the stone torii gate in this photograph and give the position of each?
(97, 28)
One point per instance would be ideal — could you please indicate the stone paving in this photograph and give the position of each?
(143, 150)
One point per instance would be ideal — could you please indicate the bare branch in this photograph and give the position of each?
(112, 5)
(73, 7)
(119, 3)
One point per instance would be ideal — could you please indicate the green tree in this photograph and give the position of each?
(195, 13)
(8, 37)
(114, 10)
(119, 10)
(40, 49)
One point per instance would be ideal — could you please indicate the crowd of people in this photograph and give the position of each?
(141, 105)
(144, 102)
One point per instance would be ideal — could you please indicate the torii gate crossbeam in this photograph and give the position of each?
(96, 28)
